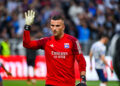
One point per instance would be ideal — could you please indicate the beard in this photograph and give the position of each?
(57, 34)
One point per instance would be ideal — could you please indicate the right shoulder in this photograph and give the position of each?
(45, 39)
(42, 42)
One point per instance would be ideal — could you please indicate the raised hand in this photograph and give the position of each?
(29, 17)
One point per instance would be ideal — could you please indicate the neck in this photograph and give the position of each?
(59, 36)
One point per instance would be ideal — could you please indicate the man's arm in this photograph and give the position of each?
(27, 42)
(79, 57)
(90, 55)
(105, 62)
(33, 44)
(102, 57)
(82, 67)
(29, 18)
(8, 73)
(81, 62)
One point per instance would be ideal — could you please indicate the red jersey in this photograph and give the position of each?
(60, 57)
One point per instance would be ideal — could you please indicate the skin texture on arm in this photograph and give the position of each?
(105, 62)
(90, 55)
(103, 59)
(83, 73)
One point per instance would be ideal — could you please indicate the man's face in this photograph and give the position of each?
(106, 40)
(57, 27)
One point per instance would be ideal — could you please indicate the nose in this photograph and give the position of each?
(54, 28)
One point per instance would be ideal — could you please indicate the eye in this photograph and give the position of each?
(52, 25)
(57, 25)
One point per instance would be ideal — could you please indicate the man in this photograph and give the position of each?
(61, 50)
(5, 47)
(8, 73)
(98, 50)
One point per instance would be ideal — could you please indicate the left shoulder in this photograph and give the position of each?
(71, 38)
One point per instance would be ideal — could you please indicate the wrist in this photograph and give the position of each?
(83, 79)
(27, 27)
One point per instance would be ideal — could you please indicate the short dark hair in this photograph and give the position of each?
(57, 17)
(104, 35)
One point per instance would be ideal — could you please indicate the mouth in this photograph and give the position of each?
(55, 32)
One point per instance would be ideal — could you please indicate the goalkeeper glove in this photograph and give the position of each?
(83, 81)
(29, 18)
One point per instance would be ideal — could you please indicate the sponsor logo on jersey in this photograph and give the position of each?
(59, 54)
(66, 45)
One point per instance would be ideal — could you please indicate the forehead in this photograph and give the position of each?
(56, 22)
(106, 38)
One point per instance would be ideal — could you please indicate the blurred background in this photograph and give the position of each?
(86, 20)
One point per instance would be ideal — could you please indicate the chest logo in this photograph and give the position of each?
(52, 45)
(66, 45)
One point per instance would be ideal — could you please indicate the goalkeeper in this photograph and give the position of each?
(61, 50)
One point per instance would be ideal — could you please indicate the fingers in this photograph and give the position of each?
(29, 17)
(25, 14)
(33, 13)
(30, 13)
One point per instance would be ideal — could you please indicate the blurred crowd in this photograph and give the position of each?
(84, 19)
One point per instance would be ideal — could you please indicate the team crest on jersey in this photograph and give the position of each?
(52, 45)
(66, 45)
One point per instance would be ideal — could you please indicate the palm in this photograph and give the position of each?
(29, 17)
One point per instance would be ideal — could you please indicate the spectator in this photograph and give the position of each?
(12, 5)
(92, 9)
(74, 10)
(98, 14)
(5, 47)
(83, 35)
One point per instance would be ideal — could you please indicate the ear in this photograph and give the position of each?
(64, 27)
